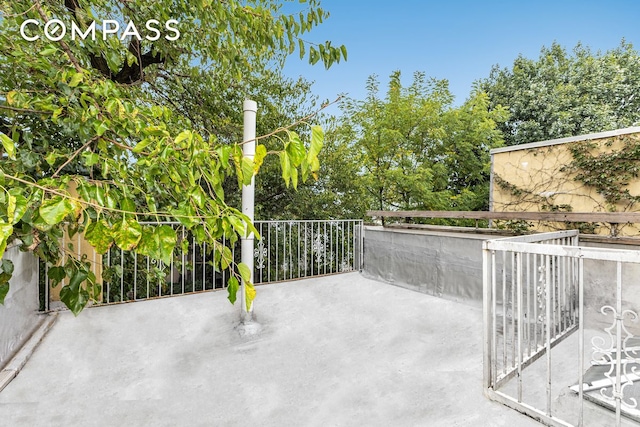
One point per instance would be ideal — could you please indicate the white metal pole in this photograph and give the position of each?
(250, 109)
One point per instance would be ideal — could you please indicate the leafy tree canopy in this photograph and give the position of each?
(95, 141)
(416, 150)
(566, 93)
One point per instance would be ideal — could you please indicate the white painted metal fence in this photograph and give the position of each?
(287, 250)
(295, 249)
(538, 290)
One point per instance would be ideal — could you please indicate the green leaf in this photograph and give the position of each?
(198, 196)
(20, 207)
(98, 234)
(224, 152)
(295, 149)
(101, 127)
(227, 258)
(73, 295)
(6, 266)
(237, 225)
(249, 294)
(55, 209)
(6, 271)
(245, 272)
(258, 159)
(48, 51)
(294, 178)
(232, 289)
(158, 242)
(127, 233)
(186, 215)
(57, 274)
(285, 165)
(4, 290)
(167, 238)
(147, 245)
(140, 146)
(128, 205)
(185, 135)
(343, 49)
(11, 206)
(8, 145)
(247, 170)
(317, 139)
(76, 79)
(90, 158)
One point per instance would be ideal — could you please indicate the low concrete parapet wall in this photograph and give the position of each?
(448, 264)
(19, 314)
(443, 264)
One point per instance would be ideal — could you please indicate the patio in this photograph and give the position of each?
(337, 350)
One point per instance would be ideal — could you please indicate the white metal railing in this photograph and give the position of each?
(287, 250)
(295, 249)
(534, 298)
(130, 277)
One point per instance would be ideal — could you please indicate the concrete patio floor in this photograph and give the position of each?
(334, 351)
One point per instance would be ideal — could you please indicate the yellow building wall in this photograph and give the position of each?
(78, 247)
(538, 179)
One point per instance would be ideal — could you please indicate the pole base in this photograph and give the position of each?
(248, 325)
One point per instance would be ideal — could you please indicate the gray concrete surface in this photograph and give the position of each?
(335, 351)
(19, 314)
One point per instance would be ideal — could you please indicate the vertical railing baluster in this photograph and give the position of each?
(284, 251)
(192, 248)
(135, 276)
(504, 312)
(494, 313)
(171, 269)
(121, 275)
(306, 253)
(109, 282)
(324, 245)
(535, 302)
(203, 259)
(290, 252)
(581, 341)
(617, 393)
(298, 245)
(513, 310)
(520, 316)
(548, 330)
(183, 258)
(269, 251)
(528, 305)
(148, 269)
(342, 259)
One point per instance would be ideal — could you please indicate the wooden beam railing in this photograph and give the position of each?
(608, 217)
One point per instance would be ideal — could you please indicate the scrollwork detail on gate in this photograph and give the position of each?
(608, 354)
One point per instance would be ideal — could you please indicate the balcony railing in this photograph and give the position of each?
(286, 250)
(538, 291)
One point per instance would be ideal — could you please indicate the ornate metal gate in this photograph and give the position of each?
(538, 290)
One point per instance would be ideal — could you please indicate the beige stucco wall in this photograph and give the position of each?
(533, 178)
(79, 248)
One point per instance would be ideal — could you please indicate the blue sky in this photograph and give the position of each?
(455, 40)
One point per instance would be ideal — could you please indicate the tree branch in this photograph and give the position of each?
(63, 44)
(86, 144)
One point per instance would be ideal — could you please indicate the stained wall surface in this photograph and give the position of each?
(537, 177)
(19, 314)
